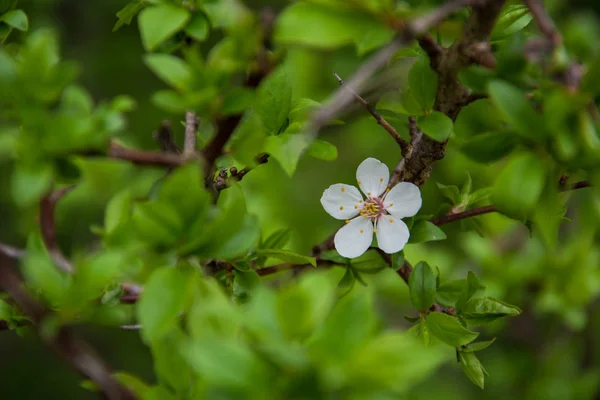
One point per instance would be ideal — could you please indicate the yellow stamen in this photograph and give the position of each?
(391, 220)
(380, 179)
(347, 221)
(391, 204)
(343, 189)
(375, 230)
(362, 231)
(369, 193)
(355, 206)
(341, 207)
(387, 190)
(359, 182)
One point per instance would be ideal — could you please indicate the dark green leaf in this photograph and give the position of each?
(436, 125)
(473, 347)
(449, 330)
(198, 27)
(450, 192)
(347, 282)
(243, 284)
(472, 368)
(422, 286)
(126, 14)
(484, 310)
(159, 23)
(449, 292)
(490, 146)
(277, 239)
(422, 81)
(16, 18)
(425, 231)
(157, 223)
(273, 100)
(242, 266)
(397, 260)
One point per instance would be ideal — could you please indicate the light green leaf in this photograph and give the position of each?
(490, 146)
(422, 286)
(273, 101)
(422, 81)
(436, 125)
(159, 23)
(287, 148)
(473, 347)
(514, 18)
(449, 330)
(30, 182)
(157, 223)
(165, 295)
(172, 70)
(517, 110)
(126, 14)
(198, 27)
(322, 150)
(277, 239)
(519, 185)
(17, 19)
(472, 368)
(450, 192)
(287, 256)
(484, 310)
(425, 231)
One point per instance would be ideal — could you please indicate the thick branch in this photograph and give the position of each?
(48, 227)
(80, 356)
(380, 120)
(191, 126)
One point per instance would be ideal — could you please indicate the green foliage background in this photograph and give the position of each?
(550, 351)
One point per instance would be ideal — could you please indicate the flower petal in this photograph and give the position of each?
(392, 234)
(353, 239)
(373, 177)
(403, 200)
(341, 201)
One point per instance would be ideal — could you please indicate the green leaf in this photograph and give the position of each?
(449, 330)
(237, 100)
(422, 81)
(165, 296)
(420, 330)
(288, 148)
(473, 285)
(425, 231)
(333, 255)
(449, 292)
(17, 19)
(238, 244)
(242, 266)
(422, 286)
(118, 210)
(172, 70)
(517, 110)
(347, 282)
(473, 347)
(287, 256)
(184, 191)
(159, 23)
(157, 223)
(30, 182)
(484, 310)
(126, 14)
(273, 101)
(490, 146)
(450, 192)
(519, 185)
(322, 150)
(397, 260)
(198, 27)
(472, 367)
(436, 125)
(514, 18)
(329, 28)
(277, 239)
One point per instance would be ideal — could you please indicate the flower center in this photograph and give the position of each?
(372, 208)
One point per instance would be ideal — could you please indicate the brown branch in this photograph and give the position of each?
(80, 356)
(544, 22)
(48, 227)
(293, 267)
(191, 126)
(462, 215)
(380, 120)
(141, 157)
(10, 251)
(433, 50)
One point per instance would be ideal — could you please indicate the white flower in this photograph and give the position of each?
(379, 213)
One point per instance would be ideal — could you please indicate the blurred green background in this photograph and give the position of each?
(551, 351)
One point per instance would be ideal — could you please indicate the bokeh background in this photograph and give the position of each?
(551, 351)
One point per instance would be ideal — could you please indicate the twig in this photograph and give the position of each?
(380, 120)
(225, 128)
(10, 251)
(80, 356)
(544, 22)
(421, 25)
(142, 157)
(296, 267)
(191, 126)
(462, 215)
(135, 327)
(164, 137)
(433, 50)
(48, 227)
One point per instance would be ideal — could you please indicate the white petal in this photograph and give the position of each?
(341, 201)
(354, 238)
(403, 200)
(392, 234)
(373, 177)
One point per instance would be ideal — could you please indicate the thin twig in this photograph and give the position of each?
(191, 126)
(48, 227)
(77, 353)
(10, 251)
(380, 120)
(295, 267)
(444, 219)
(142, 157)
(544, 22)
(164, 137)
(135, 327)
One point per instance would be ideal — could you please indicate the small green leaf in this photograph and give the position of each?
(273, 100)
(472, 368)
(242, 266)
(397, 260)
(244, 284)
(449, 330)
(17, 19)
(422, 286)
(450, 192)
(514, 18)
(157, 223)
(118, 210)
(519, 185)
(347, 282)
(436, 125)
(420, 330)
(473, 347)
(164, 297)
(422, 81)
(126, 14)
(322, 150)
(287, 256)
(449, 292)
(172, 70)
(490, 146)
(484, 310)
(277, 239)
(159, 23)
(425, 231)
(288, 147)
(30, 182)
(198, 27)
(333, 255)
(517, 110)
